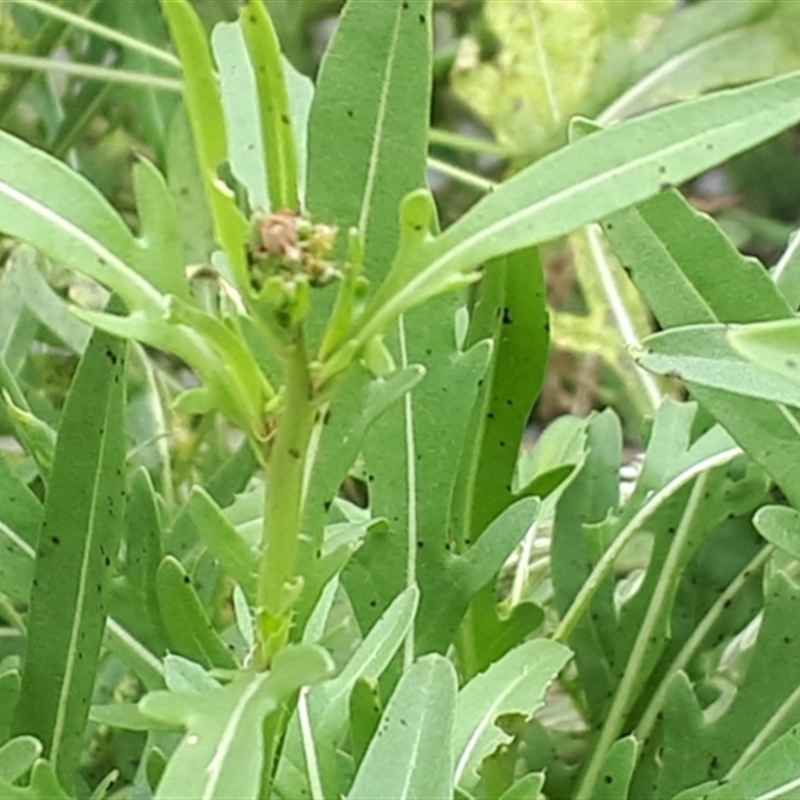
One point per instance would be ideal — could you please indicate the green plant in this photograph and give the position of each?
(248, 631)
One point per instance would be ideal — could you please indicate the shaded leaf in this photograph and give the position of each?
(78, 541)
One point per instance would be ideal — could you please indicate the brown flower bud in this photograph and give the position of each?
(279, 238)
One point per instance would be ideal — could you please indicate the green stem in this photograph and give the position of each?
(90, 72)
(284, 501)
(466, 144)
(461, 175)
(103, 31)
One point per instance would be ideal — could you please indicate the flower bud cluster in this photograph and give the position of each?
(291, 246)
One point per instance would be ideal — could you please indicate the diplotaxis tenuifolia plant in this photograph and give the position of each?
(318, 615)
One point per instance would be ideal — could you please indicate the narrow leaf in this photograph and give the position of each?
(277, 137)
(188, 627)
(593, 177)
(77, 544)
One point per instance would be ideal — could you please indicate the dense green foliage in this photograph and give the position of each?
(269, 523)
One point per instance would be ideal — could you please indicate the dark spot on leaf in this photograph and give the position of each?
(608, 779)
(502, 443)
(327, 505)
(55, 540)
(373, 603)
(791, 363)
(294, 452)
(187, 579)
(609, 226)
(420, 544)
(370, 478)
(787, 639)
(506, 316)
(350, 113)
(490, 415)
(405, 6)
(665, 186)
(662, 170)
(422, 19)
(111, 355)
(326, 420)
(107, 561)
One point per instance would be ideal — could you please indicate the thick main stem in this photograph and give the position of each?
(284, 501)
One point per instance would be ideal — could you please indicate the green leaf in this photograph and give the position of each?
(22, 509)
(239, 97)
(17, 757)
(617, 770)
(365, 715)
(358, 400)
(780, 526)
(126, 716)
(763, 708)
(133, 600)
(51, 310)
(407, 454)
(188, 627)
(368, 127)
(702, 49)
(9, 694)
(16, 566)
(786, 273)
(158, 224)
(664, 243)
(703, 355)
(185, 181)
(328, 702)
(222, 754)
(593, 177)
(223, 540)
(772, 775)
(526, 788)
(77, 544)
(369, 122)
(204, 108)
(409, 755)
(512, 312)
(43, 786)
(45, 203)
(277, 137)
(515, 684)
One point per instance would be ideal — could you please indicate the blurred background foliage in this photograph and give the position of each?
(509, 77)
